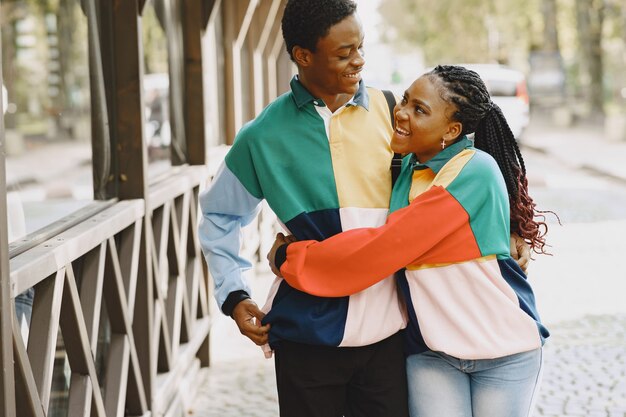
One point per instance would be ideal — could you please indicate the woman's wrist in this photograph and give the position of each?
(281, 255)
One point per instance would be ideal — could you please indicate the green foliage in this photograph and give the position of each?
(45, 65)
(462, 30)
(154, 42)
(506, 31)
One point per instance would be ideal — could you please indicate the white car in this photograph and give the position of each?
(507, 88)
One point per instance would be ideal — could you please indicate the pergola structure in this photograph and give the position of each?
(128, 266)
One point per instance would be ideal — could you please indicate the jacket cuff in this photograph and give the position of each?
(281, 255)
(232, 300)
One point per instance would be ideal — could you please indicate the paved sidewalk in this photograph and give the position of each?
(584, 369)
(240, 381)
(583, 147)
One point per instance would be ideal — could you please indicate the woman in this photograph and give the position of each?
(474, 337)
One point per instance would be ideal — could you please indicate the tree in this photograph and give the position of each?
(452, 31)
(590, 20)
(550, 28)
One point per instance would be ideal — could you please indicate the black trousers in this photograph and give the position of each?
(323, 381)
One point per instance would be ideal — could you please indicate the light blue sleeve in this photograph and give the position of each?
(226, 207)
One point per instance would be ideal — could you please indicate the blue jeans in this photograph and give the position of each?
(441, 385)
(24, 306)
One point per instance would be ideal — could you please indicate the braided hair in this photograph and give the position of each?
(479, 115)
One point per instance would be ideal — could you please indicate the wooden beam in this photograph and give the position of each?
(174, 32)
(244, 19)
(237, 18)
(31, 267)
(261, 29)
(44, 330)
(78, 350)
(193, 89)
(27, 400)
(141, 5)
(91, 291)
(123, 61)
(122, 350)
(209, 8)
(129, 254)
(7, 382)
(143, 314)
(269, 19)
(213, 13)
(275, 44)
(100, 136)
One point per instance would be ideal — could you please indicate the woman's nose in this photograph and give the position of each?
(400, 114)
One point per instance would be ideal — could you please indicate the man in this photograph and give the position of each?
(320, 156)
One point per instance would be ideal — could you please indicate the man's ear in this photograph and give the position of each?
(302, 56)
(454, 130)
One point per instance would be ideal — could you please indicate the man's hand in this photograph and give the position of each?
(248, 317)
(281, 239)
(520, 251)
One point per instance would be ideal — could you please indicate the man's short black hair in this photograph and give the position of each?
(307, 21)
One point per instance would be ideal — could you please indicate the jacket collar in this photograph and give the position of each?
(302, 96)
(439, 160)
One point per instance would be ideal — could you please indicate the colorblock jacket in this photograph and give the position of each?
(322, 174)
(448, 235)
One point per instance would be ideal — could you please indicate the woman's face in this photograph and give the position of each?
(422, 121)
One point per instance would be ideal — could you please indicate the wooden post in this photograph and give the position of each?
(7, 381)
(100, 137)
(274, 46)
(263, 25)
(174, 33)
(237, 19)
(123, 61)
(123, 69)
(193, 27)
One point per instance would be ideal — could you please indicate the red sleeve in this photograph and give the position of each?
(434, 228)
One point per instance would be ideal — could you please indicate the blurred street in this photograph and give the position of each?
(582, 177)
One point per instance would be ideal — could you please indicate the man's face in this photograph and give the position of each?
(335, 67)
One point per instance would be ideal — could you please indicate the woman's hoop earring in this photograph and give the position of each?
(443, 144)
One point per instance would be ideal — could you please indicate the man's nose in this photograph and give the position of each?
(359, 59)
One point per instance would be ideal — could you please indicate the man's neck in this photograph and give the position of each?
(333, 102)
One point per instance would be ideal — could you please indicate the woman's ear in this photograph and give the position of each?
(454, 131)
(302, 56)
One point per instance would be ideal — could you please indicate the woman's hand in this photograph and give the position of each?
(281, 239)
(520, 251)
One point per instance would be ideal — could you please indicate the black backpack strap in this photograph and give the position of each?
(396, 162)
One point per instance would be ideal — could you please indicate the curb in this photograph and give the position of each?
(583, 167)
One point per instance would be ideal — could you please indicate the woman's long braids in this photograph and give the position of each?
(492, 134)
